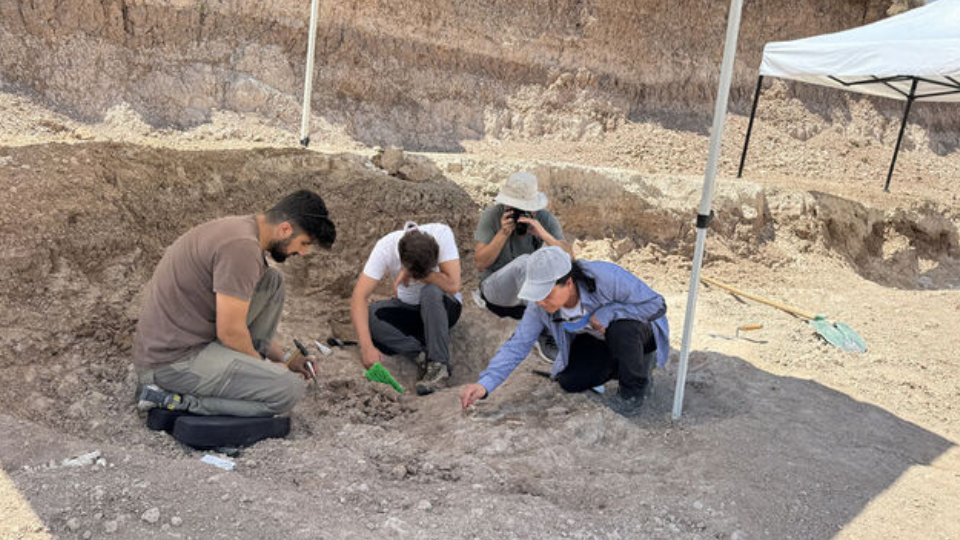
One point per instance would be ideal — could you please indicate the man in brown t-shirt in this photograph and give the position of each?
(204, 341)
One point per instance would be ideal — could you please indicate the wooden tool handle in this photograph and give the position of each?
(749, 327)
(762, 300)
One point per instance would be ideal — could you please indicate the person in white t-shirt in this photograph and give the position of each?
(423, 262)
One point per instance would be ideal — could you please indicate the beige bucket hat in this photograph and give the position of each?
(520, 191)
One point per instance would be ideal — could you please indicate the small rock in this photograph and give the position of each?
(225, 497)
(176, 521)
(398, 472)
(82, 460)
(418, 169)
(87, 535)
(698, 505)
(151, 516)
(111, 526)
(454, 167)
(738, 535)
(73, 524)
(424, 505)
(389, 159)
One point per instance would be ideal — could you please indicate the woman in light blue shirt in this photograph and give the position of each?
(604, 319)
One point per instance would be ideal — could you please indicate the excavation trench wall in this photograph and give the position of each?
(420, 74)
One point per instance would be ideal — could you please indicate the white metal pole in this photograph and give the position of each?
(308, 76)
(709, 180)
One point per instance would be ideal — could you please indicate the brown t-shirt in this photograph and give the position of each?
(180, 303)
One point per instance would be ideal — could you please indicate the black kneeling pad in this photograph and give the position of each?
(205, 432)
(163, 420)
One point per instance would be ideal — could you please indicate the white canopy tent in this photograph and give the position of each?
(912, 56)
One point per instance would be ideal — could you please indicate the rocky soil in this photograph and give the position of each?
(123, 123)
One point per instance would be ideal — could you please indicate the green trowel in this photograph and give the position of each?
(837, 334)
(378, 373)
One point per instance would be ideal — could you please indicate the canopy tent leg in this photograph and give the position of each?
(308, 76)
(753, 113)
(704, 214)
(903, 126)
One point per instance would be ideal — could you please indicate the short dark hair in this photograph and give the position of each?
(419, 253)
(579, 276)
(308, 214)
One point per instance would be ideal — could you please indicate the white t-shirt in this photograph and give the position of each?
(385, 258)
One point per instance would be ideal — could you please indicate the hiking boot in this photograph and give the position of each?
(626, 406)
(152, 396)
(433, 379)
(628, 401)
(547, 347)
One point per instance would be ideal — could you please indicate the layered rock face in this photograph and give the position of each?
(421, 74)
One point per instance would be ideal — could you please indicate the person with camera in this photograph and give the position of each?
(507, 233)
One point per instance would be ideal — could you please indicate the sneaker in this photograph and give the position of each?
(152, 396)
(433, 379)
(547, 348)
(478, 299)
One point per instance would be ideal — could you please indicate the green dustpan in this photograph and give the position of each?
(838, 334)
(378, 373)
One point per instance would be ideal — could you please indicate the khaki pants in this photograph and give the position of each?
(217, 380)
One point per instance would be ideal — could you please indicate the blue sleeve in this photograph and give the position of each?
(512, 352)
(631, 299)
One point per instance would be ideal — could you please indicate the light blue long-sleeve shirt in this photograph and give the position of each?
(619, 295)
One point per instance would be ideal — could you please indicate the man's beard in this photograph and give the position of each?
(278, 250)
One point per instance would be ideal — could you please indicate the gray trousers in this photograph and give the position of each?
(398, 328)
(501, 287)
(217, 380)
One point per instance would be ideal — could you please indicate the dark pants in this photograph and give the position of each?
(623, 356)
(403, 329)
(513, 312)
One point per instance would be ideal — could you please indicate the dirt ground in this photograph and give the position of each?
(783, 435)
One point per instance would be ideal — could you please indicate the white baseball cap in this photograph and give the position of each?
(544, 267)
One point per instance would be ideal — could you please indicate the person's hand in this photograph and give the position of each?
(597, 325)
(535, 228)
(403, 278)
(507, 224)
(470, 393)
(298, 365)
(369, 356)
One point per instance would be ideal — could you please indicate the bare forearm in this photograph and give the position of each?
(275, 353)
(239, 340)
(361, 320)
(447, 283)
(485, 256)
(548, 239)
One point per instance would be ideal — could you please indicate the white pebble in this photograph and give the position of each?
(151, 516)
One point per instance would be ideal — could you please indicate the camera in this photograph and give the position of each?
(521, 228)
